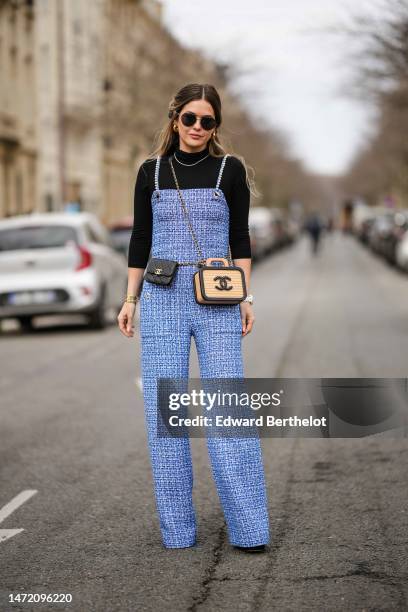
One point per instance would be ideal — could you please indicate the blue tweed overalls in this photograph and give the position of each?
(169, 316)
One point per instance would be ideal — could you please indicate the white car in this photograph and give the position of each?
(261, 231)
(59, 262)
(401, 252)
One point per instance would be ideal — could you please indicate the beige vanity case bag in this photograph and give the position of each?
(219, 284)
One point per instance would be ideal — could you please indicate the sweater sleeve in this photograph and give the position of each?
(239, 212)
(141, 237)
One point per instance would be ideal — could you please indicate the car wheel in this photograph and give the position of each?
(26, 323)
(97, 318)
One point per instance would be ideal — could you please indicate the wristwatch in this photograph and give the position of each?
(249, 298)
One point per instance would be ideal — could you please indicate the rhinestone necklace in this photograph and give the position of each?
(197, 162)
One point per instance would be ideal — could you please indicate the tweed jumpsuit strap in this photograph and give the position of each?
(224, 159)
(156, 174)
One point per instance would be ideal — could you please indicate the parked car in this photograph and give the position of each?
(363, 214)
(401, 252)
(279, 229)
(293, 229)
(365, 218)
(120, 233)
(261, 231)
(364, 229)
(391, 240)
(379, 232)
(59, 263)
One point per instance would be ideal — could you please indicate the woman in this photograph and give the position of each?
(216, 194)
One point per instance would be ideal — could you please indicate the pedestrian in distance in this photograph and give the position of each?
(190, 165)
(314, 227)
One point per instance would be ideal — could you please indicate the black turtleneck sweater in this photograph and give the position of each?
(205, 174)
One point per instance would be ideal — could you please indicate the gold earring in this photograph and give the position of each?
(175, 127)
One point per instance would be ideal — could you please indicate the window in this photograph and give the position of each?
(36, 237)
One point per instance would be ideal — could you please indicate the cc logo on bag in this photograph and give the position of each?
(223, 286)
(158, 271)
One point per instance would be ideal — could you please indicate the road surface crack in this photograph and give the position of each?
(209, 576)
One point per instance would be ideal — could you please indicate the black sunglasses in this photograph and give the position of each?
(207, 122)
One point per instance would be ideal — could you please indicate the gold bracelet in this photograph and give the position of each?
(131, 299)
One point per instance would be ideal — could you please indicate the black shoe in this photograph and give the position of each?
(252, 549)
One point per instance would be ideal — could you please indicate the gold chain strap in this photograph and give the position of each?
(202, 259)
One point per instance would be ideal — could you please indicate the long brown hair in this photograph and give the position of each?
(167, 140)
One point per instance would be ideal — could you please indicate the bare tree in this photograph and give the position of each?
(381, 74)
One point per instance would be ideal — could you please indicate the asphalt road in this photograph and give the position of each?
(72, 432)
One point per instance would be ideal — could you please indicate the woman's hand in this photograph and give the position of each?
(247, 317)
(125, 319)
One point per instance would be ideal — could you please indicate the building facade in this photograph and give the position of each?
(59, 142)
(18, 110)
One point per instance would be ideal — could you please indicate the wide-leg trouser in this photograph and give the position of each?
(169, 317)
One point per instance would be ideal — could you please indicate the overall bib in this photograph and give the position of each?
(169, 316)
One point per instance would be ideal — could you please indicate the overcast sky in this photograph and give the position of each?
(294, 71)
